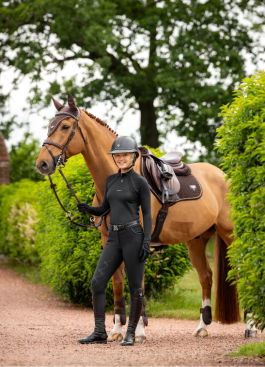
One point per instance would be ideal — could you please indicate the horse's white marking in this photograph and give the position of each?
(140, 329)
(117, 330)
(202, 325)
(250, 323)
(116, 333)
(117, 326)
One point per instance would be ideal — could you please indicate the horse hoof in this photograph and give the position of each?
(115, 336)
(140, 339)
(200, 333)
(251, 334)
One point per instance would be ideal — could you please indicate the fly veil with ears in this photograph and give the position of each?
(65, 113)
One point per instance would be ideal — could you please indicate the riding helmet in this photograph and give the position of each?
(124, 144)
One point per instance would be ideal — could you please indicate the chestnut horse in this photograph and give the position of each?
(192, 221)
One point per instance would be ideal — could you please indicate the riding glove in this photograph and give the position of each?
(144, 252)
(83, 207)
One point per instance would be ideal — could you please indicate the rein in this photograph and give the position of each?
(61, 164)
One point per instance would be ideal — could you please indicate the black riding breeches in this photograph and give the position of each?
(123, 245)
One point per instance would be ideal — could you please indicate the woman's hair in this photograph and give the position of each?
(132, 154)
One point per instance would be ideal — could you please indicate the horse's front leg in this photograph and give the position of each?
(140, 336)
(119, 318)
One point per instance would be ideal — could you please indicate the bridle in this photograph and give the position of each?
(60, 160)
(60, 163)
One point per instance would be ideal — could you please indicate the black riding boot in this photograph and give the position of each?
(136, 303)
(99, 334)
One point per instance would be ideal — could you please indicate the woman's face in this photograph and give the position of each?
(123, 160)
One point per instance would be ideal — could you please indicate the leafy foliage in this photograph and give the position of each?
(23, 158)
(69, 254)
(18, 221)
(242, 145)
(176, 61)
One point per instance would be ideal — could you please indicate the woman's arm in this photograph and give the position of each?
(96, 210)
(145, 202)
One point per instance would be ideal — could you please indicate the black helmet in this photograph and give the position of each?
(124, 144)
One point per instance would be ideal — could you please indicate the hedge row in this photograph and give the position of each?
(34, 229)
(242, 146)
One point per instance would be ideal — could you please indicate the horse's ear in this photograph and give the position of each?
(57, 104)
(71, 102)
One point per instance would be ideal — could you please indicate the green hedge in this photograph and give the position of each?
(241, 142)
(69, 254)
(19, 221)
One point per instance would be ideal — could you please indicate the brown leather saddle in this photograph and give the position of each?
(171, 181)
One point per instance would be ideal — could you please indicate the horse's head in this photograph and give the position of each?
(65, 137)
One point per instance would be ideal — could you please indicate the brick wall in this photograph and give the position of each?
(4, 163)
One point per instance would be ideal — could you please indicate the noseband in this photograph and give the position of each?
(60, 163)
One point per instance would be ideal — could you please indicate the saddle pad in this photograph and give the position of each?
(190, 188)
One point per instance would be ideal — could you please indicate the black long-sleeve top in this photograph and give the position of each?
(124, 194)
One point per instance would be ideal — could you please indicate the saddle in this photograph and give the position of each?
(171, 181)
(161, 174)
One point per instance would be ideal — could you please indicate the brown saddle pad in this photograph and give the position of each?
(183, 181)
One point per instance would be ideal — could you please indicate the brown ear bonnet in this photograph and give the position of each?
(71, 108)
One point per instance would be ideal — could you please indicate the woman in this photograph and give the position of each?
(125, 191)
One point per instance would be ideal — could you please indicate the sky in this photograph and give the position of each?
(37, 122)
(129, 125)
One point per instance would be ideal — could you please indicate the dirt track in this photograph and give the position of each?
(36, 328)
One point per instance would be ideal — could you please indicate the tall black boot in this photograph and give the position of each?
(136, 303)
(99, 334)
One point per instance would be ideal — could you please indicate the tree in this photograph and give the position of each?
(23, 158)
(175, 61)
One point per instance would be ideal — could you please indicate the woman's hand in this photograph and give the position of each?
(82, 207)
(144, 252)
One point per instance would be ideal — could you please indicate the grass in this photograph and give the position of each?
(185, 300)
(250, 350)
(32, 273)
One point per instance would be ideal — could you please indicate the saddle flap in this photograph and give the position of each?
(154, 172)
(156, 175)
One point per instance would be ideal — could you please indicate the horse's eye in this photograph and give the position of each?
(65, 127)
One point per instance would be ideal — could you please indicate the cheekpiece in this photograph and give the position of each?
(59, 118)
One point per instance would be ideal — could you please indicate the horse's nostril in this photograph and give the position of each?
(44, 165)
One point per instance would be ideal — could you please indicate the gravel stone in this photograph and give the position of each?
(39, 329)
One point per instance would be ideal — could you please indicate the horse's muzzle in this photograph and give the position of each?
(46, 167)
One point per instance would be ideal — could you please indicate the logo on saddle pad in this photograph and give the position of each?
(193, 187)
(118, 145)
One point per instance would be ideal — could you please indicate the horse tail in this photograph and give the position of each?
(226, 297)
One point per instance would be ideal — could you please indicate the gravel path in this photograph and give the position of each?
(38, 329)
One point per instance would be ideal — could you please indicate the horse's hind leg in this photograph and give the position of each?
(197, 251)
(119, 319)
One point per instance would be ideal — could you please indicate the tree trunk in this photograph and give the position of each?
(148, 128)
(4, 163)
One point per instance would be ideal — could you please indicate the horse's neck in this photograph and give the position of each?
(99, 163)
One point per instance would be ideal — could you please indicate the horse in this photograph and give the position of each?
(193, 222)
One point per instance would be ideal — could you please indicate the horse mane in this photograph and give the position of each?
(103, 123)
